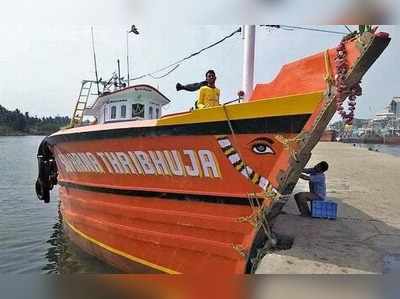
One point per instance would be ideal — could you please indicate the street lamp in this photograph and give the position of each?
(135, 31)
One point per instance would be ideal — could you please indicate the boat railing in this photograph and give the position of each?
(189, 111)
(233, 101)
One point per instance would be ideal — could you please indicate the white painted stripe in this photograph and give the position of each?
(247, 172)
(263, 183)
(234, 158)
(224, 142)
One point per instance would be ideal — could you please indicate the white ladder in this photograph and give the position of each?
(81, 103)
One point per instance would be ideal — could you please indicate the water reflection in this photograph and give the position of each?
(63, 257)
(58, 254)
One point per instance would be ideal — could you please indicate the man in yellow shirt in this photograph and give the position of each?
(208, 94)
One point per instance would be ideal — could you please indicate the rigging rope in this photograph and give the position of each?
(288, 27)
(165, 75)
(176, 64)
(347, 27)
(257, 209)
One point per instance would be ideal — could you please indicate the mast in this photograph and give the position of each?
(249, 34)
(127, 55)
(95, 64)
(119, 73)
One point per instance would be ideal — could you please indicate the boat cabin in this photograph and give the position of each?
(137, 102)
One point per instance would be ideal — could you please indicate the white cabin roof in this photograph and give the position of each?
(129, 103)
(142, 93)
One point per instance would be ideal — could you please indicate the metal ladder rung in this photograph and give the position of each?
(81, 103)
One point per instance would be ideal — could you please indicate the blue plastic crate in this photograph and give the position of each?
(326, 209)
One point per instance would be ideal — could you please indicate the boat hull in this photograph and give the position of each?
(392, 140)
(147, 234)
(366, 140)
(176, 203)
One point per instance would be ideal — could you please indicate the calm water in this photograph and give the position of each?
(393, 150)
(31, 236)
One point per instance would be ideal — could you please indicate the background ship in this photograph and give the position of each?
(383, 129)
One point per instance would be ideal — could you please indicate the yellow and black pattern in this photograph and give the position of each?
(237, 162)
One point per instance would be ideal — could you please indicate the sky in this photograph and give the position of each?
(46, 48)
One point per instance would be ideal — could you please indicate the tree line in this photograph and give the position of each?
(16, 122)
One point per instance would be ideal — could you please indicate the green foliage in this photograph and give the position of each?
(17, 123)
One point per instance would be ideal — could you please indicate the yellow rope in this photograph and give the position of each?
(256, 211)
(328, 69)
(240, 249)
(288, 143)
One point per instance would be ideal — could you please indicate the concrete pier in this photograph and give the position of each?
(365, 238)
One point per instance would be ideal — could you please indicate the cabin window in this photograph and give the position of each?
(157, 113)
(113, 112)
(151, 112)
(138, 110)
(123, 111)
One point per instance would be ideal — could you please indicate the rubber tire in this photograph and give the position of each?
(41, 192)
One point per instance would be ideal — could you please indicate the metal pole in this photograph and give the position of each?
(249, 33)
(119, 73)
(95, 64)
(127, 55)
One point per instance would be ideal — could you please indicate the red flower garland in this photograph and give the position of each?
(342, 90)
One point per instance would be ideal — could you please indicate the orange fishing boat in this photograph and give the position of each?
(196, 191)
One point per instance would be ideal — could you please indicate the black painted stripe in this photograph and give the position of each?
(276, 124)
(230, 151)
(226, 148)
(162, 195)
(239, 163)
(252, 175)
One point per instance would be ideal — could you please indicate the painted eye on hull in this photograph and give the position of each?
(261, 148)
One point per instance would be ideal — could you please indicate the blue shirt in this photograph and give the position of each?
(317, 183)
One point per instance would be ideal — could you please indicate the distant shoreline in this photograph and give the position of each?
(28, 131)
(23, 135)
(8, 132)
(16, 123)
